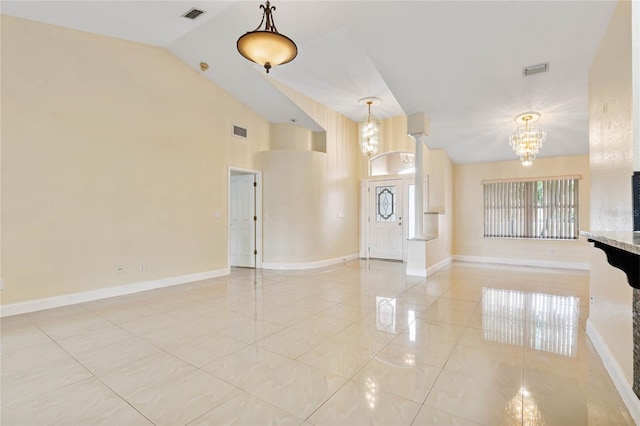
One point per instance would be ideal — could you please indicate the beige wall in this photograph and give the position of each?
(469, 215)
(610, 128)
(393, 135)
(440, 199)
(331, 231)
(611, 148)
(294, 193)
(290, 136)
(114, 153)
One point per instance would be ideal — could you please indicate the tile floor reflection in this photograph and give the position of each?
(358, 343)
(544, 322)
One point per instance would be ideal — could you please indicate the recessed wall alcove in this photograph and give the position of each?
(291, 137)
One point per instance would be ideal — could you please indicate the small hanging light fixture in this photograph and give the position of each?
(527, 139)
(369, 129)
(267, 47)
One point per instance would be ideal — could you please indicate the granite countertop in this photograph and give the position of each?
(624, 240)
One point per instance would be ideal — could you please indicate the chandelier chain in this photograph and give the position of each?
(266, 14)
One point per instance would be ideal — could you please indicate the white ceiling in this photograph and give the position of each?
(458, 61)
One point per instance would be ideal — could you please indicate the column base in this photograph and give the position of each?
(417, 257)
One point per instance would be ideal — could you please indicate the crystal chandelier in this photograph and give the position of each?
(267, 47)
(527, 139)
(369, 129)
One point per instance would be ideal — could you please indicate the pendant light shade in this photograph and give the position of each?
(267, 46)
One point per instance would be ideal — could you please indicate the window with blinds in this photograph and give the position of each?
(544, 208)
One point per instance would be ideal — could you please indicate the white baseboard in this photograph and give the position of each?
(416, 272)
(104, 293)
(308, 265)
(523, 262)
(442, 264)
(615, 371)
(421, 272)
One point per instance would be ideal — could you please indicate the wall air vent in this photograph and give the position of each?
(535, 69)
(240, 132)
(193, 13)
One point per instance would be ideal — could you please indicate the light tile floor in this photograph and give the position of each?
(358, 343)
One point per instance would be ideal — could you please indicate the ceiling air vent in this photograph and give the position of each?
(535, 69)
(240, 132)
(193, 13)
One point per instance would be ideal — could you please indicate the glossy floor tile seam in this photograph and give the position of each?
(402, 359)
(351, 379)
(63, 349)
(422, 404)
(125, 400)
(106, 372)
(456, 416)
(215, 409)
(163, 383)
(398, 393)
(306, 419)
(56, 340)
(77, 362)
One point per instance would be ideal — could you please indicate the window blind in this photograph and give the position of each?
(541, 208)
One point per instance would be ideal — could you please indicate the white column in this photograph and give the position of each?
(419, 139)
(418, 126)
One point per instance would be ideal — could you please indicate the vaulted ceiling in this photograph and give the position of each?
(460, 62)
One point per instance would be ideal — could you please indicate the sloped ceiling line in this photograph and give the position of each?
(459, 62)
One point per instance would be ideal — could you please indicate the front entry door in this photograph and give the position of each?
(242, 238)
(385, 219)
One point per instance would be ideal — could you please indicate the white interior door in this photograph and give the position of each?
(242, 211)
(385, 219)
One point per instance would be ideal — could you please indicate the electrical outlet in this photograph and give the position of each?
(120, 268)
(592, 298)
(142, 266)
